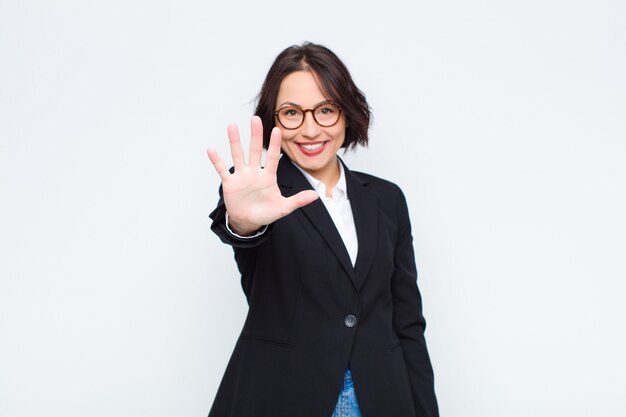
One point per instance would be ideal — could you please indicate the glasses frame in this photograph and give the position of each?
(304, 111)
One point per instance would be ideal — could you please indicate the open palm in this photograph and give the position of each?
(251, 193)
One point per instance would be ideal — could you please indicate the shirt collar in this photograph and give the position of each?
(339, 192)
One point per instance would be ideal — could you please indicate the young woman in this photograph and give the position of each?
(335, 325)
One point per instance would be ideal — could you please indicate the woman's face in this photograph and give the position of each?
(311, 146)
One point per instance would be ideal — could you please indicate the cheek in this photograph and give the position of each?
(287, 135)
(340, 132)
(340, 135)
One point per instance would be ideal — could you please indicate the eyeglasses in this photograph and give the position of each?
(292, 117)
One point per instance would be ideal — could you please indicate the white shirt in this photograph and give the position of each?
(338, 207)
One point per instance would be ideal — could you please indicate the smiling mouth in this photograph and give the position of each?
(312, 149)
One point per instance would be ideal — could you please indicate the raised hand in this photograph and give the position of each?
(251, 194)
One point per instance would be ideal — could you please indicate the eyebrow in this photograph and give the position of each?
(290, 103)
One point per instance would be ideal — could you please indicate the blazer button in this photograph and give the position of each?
(350, 320)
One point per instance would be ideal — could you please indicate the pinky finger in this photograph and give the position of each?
(218, 164)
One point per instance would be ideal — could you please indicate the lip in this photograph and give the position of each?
(315, 152)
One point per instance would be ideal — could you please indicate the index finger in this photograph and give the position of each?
(273, 151)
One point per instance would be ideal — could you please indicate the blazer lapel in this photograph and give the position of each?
(291, 181)
(364, 205)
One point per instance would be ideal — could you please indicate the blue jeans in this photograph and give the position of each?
(347, 405)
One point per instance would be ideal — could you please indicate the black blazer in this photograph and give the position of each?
(312, 314)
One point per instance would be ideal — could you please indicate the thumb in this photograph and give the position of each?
(299, 200)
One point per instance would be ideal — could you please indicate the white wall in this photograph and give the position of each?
(504, 122)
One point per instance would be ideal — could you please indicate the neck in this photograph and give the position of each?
(330, 176)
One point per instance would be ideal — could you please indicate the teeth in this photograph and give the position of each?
(312, 147)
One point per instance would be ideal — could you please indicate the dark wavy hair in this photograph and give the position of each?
(336, 84)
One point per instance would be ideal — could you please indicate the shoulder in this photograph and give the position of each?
(392, 202)
(377, 184)
(389, 194)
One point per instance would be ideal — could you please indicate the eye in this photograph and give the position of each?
(290, 112)
(327, 109)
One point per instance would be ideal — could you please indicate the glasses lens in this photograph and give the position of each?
(290, 117)
(326, 114)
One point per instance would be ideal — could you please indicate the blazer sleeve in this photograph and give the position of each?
(408, 320)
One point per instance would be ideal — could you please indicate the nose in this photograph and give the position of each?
(310, 128)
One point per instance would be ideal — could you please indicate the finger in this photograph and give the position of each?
(236, 149)
(298, 200)
(220, 167)
(273, 151)
(256, 142)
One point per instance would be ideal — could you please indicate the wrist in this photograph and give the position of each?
(241, 228)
